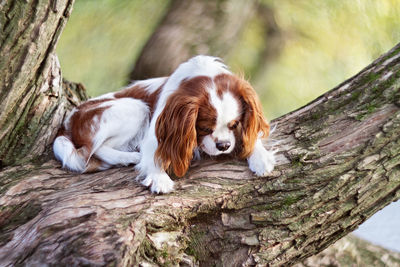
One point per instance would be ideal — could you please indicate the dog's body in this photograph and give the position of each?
(160, 124)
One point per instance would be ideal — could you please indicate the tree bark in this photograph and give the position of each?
(352, 251)
(190, 28)
(33, 102)
(338, 163)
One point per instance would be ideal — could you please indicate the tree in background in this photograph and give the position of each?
(215, 28)
(190, 28)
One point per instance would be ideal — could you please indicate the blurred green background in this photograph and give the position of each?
(322, 44)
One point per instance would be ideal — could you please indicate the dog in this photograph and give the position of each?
(162, 124)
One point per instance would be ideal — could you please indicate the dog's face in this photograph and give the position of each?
(217, 123)
(220, 115)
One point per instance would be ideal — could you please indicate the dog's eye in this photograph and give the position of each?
(205, 130)
(233, 125)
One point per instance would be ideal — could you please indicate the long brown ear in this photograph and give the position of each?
(176, 133)
(253, 120)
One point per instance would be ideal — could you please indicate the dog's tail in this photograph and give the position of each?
(70, 157)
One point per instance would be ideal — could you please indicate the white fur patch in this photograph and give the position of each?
(65, 151)
(261, 161)
(160, 182)
(117, 157)
(124, 121)
(150, 85)
(105, 96)
(227, 109)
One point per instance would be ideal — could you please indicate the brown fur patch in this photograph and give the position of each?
(94, 165)
(92, 103)
(82, 124)
(186, 111)
(139, 92)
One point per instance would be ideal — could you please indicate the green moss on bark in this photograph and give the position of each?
(15, 215)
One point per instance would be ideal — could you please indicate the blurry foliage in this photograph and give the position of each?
(102, 39)
(325, 42)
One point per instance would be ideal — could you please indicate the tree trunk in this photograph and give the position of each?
(338, 163)
(273, 39)
(33, 101)
(190, 28)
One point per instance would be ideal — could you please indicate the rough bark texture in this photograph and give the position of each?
(192, 27)
(338, 163)
(33, 102)
(352, 251)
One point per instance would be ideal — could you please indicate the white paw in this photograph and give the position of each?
(134, 158)
(262, 162)
(160, 183)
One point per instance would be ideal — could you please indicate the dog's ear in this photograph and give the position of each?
(176, 133)
(254, 125)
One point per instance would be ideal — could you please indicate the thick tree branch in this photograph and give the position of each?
(338, 163)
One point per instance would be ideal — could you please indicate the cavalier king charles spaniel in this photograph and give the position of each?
(161, 124)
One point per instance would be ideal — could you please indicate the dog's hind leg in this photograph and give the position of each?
(116, 157)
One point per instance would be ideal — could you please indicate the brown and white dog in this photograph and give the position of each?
(161, 124)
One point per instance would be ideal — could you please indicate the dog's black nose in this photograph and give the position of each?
(223, 146)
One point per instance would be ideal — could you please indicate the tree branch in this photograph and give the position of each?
(338, 163)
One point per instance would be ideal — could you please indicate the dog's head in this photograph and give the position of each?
(219, 115)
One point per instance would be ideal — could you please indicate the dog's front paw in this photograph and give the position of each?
(160, 183)
(262, 162)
